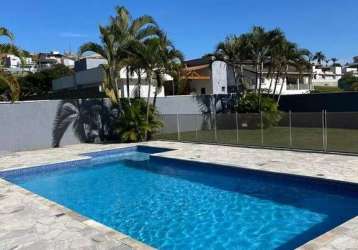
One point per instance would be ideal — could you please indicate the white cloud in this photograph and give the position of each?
(72, 35)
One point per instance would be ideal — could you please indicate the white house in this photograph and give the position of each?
(90, 75)
(352, 68)
(216, 77)
(13, 64)
(48, 60)
(208, 78)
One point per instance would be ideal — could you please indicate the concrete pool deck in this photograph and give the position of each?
(28, 221)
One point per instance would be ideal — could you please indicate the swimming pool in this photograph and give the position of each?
(174, 204)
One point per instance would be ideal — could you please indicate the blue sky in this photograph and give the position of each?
(195, 26)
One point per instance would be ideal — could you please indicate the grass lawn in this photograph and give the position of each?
(344, 140)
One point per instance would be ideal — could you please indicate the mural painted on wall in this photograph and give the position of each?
(210, 105)
(90, 120)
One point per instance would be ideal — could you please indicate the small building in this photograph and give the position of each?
(352, 68)
(14, 64)
(212, 77)
(48, 60)
(89, 75)
(205, 77)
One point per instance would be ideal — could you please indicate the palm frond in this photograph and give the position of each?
(7, 33)
(92, 47)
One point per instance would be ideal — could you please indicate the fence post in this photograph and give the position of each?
(215, 132)
(326, 129)
(262, 129)
(178, 127)
(237, 127)
(196, 127)
(323, 132)
(290, 125)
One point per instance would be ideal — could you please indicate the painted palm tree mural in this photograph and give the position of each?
(89, 119)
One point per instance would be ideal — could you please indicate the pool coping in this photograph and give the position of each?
(333, 239)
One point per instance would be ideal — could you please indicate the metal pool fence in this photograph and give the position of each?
(319, 131)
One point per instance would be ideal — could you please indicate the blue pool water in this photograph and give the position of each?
(173, 204)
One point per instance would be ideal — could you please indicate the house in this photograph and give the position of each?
(89, 75)
(48, 60)
(207, 76)
(14, 64)
(352, 68)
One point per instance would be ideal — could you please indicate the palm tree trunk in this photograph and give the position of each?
(260, 83)
(149, 80)
(276, 81)
(270, 73)
(127, 76)
(285, 80)
(139, 83)
(257, 77)
(159, 84)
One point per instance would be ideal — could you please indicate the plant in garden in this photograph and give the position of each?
(133, 125)
(248, 103)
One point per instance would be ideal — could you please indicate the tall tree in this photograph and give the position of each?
(319, 57)
(169, 63)
(6, 78)
(334, 61)
(292, 56)
(109, 51)
(128, 30)
(233, 52)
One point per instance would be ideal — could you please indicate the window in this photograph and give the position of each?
(222, 89)
(203, 91)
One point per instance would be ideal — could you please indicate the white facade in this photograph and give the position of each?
(48, 60)
(218, 78)
(13, 64)
(95, 76)
(328, 76)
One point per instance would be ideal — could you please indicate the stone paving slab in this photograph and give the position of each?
(32, 222)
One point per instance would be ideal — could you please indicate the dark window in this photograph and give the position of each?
(223, 89)
(203, 91)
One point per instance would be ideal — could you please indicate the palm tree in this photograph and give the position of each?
(149, 55)
(260, 43)
(292, 56)
(232, 51)
(319, 57)
(117, 40)
(334, 61)
(128, 30)
(109, 51)
(170, 63)
(6, 78)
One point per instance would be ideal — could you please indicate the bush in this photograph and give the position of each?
(132, 125)
(249, 103)
(348, 83)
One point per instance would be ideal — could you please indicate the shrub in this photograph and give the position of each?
(348, 83)
(132, 125)
(249, 103)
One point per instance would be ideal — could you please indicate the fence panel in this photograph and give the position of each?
(249, 126)
(226, 129)
(307, 131)
(276, 130)
(342, 132)
(332, 132)
(188, 124)
(206, 128)
(169, 129)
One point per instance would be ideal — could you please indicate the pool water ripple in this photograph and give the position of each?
(172, 205)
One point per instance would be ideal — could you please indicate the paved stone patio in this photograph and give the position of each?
(28, 221)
